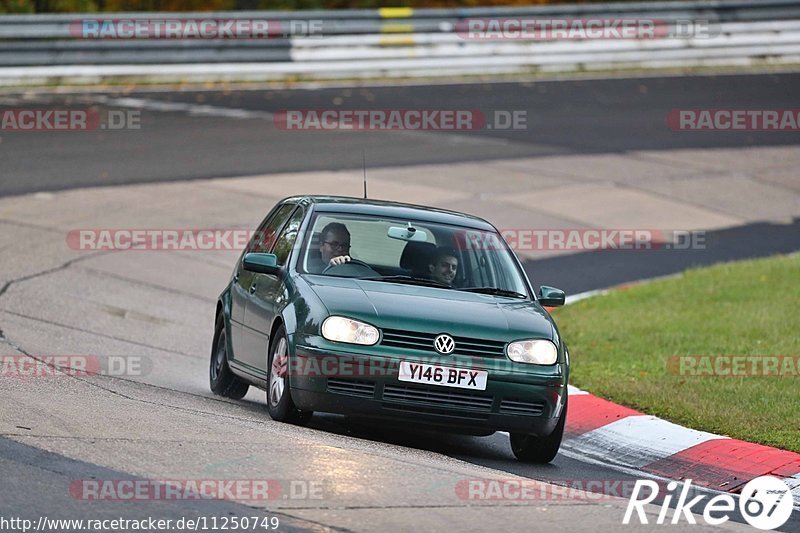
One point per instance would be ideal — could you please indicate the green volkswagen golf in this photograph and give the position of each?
(396, 312)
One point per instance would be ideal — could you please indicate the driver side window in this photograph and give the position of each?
(264, 237)
(287, 238)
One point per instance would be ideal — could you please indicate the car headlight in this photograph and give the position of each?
(341, 329)
(537, 352)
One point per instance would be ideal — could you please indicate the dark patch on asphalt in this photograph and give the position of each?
(37, 483)
(606, 268)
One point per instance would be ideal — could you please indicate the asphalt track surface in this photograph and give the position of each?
(586, 116)
(568, 117)
(191, 141)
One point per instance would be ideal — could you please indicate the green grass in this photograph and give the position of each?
(621, 343)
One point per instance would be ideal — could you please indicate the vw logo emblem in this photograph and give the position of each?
(444, 344)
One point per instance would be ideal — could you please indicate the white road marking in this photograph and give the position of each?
(575, 391)
(794, 484)
(572, 298)
(182, 107)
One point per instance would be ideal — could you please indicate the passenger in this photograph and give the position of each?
(444, 265)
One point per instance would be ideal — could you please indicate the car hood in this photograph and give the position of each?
(432, 310)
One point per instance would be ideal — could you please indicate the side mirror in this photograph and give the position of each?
(551, 297)
(261, 263)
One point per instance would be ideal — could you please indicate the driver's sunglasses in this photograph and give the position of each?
(338, 245)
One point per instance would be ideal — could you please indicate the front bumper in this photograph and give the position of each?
(367, 386)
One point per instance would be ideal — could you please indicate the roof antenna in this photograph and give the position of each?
(364, 158)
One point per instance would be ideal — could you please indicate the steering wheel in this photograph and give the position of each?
(352, 262)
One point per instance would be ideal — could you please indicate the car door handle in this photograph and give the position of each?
(252, 289)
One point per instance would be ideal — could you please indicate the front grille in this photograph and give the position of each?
(351, 387)
(432, 411)
(415, 340)
(444, 398)
(519, 407)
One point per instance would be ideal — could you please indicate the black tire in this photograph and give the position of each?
(222, 381)
(280, 405)
(532, 449)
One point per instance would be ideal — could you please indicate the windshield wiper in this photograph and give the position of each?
(411, 280)
(497, 291)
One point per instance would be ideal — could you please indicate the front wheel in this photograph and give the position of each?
(222, 381)
(279, 395)
(531, 449)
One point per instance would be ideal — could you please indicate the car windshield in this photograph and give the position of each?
(411, 252)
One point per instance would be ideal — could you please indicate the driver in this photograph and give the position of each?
(334, 245)
(444, 265)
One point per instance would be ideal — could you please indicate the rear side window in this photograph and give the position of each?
(266, 233)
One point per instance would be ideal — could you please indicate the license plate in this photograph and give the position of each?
(444, 376)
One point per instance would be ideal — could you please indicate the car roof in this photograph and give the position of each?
(361, 206)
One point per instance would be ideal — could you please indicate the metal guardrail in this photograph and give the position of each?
(398, 41)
